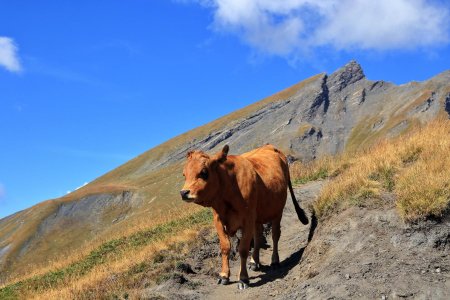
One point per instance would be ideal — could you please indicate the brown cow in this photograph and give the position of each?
(244, 192)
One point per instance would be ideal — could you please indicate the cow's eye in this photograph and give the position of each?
(204, 174)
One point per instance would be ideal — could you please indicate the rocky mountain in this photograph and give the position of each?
(322, 115)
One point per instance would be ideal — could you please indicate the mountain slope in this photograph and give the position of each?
(359, 235)
(322, 115)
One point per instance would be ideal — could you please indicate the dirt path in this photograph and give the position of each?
(205, 260)
(294, 238)
(360, 253)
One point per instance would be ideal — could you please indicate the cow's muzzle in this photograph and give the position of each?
(185, 195)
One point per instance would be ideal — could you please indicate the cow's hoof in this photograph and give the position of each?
(223, 280)
(243, 284)
(275, 266)
(254, 266)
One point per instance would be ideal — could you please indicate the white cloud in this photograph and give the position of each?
(286, 27)
(8, 55)
(385, 24)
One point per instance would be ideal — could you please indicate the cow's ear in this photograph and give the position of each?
(222, 156)
(189, 154)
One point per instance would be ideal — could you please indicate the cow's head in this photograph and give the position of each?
(201, 176)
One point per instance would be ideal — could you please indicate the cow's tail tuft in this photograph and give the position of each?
(300, 212)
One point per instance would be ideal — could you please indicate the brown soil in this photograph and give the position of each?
(361, 253)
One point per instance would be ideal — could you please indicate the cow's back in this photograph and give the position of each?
(271, 166)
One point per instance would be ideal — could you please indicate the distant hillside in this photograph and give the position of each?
(322, 115)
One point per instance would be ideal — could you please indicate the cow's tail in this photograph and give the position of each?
(300, 212)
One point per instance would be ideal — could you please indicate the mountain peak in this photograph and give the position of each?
(346, 75)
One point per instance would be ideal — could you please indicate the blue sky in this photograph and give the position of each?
(87, 85)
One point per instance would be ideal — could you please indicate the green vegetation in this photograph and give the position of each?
(384, 174)
(105, 253)
(321, 173)
(326, 167)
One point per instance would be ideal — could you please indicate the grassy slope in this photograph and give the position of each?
(415, 168)
(363, 134)
(106, 255)
(19, 229)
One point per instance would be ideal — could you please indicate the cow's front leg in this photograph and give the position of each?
(225, 246)
(244, 247)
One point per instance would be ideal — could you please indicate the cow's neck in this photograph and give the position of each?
(228, 202)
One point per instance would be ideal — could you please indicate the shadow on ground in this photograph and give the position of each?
(287, 264)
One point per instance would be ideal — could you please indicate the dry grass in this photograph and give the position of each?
(304, 128)
(70, 256)
(317, 169)
(414, 167)
(125, 275)
(92, 271)
(364, 135)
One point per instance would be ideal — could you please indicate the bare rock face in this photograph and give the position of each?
(90, 213)
(329, 114)
(345, 76)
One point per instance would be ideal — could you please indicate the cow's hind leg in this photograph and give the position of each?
(276, 232)
(225, 247)
(258, 239)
